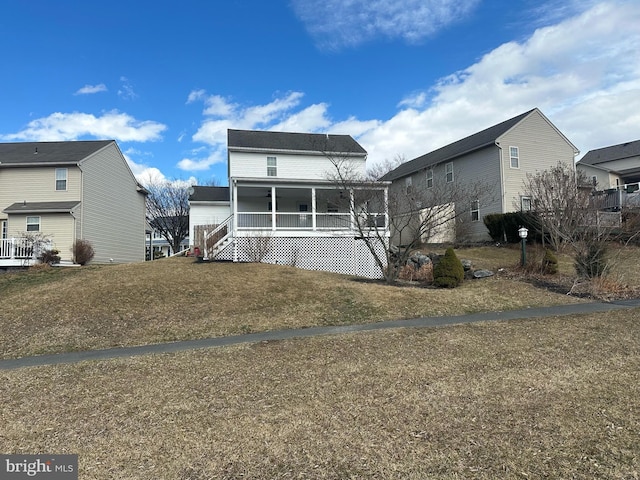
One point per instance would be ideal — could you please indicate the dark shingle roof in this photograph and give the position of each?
(48, 153)
(209, 194)
(614, 152)
(301, 142)
(41, 207)
(469, 144)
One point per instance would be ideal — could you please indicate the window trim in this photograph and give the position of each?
(272, 166)
(475, 210)
(4, 226)
(524, 198)
(516, 157)
(448, 172)
(429, 177)
(38, 223)
(65, 179)
(408, 184)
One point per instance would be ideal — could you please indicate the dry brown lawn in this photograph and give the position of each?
(544, 398)
(541, 398)
(58, 310)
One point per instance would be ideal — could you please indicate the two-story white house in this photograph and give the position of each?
(499, 157)
(286, 205)
(68, 191)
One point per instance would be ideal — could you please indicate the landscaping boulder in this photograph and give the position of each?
(418, 259)
(466, 264)
(482, 273)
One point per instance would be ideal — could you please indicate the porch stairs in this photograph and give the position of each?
(218, 239)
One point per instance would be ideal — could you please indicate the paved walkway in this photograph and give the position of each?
(73, 357)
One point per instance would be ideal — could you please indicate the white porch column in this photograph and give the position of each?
(313, 209)
(386, 209)
(234, 221)
(273, 209)
(352, 208)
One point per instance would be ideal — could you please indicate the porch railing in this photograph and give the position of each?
(304, 221)
(21, 248)
(627, 195)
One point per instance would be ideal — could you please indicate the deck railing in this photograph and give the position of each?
(21, 248)
(627, 195)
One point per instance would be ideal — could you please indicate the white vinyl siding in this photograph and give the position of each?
(291, 166)
(61, 179)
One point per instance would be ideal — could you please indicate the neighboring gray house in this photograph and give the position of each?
(500, 156)
(283, 207)
(70, 191)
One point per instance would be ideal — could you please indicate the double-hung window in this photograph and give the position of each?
(408, 185)
(475, 211)
(514, 155)
(61, 179)
(525, 204)
(272, 167)
(429, 177)
(448, 171)
(33, 224)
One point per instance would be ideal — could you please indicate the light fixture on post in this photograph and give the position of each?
(523, 232)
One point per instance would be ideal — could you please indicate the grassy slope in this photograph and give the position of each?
(103, 306)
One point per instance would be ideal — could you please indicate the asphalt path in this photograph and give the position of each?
(423, 322)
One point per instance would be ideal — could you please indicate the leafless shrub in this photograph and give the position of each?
(82, 251)
(258, 246)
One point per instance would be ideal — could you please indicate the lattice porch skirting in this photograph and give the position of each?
(345, 255)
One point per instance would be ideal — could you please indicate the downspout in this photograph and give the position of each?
(502, 191)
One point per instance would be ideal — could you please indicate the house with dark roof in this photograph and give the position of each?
(284, 204)
(500, 157)
(67, 191)
(614, 174)
(613, 166)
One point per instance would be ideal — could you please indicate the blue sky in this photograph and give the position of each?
(166, 79)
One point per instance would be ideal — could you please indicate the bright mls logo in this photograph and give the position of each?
(49, 467)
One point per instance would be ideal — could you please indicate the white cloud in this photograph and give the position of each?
(126, 90)
(91, 89)
(581, 73)
(72, 126)
(338, 23)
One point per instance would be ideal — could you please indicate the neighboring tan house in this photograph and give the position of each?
(612, 167)
(499, 157)
(284, 207)
(68, 191)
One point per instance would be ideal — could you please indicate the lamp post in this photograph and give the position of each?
(522, 231)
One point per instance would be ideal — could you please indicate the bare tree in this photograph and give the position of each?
(168, 209)
(568, 215)
(414, 216)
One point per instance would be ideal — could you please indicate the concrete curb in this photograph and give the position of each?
(120, 352)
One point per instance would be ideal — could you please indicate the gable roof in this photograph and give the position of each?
(614, 152)
(41, 207)
(477, 141)
(209, 194)
(317, 143)
(48, 153)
